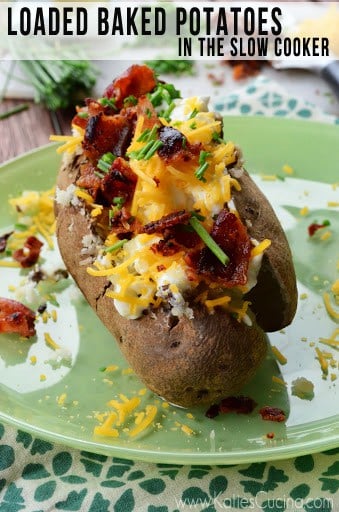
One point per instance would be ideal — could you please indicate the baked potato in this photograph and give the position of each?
(170, 241)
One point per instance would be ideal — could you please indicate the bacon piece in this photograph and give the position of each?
(136, 81)
(166, 222)
(3, 241)
(124, 224)
(119, 182)
(231, 235)
(89, 180)
(16, 318)
(107, 133)
(175, 146)
(272, 414)
(166, 247)
(29, 254)
(238, 404)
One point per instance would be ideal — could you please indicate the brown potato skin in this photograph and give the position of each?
(187, 362)
(274, 298)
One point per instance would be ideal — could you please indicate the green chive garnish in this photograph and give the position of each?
(203, 165)
(119, 201)
(108, 102)
(83, 115)
(116, 246)
(14, 110)
(105, 162)
(147, 151)
(193, 113)
(208, 240)
(130, 100)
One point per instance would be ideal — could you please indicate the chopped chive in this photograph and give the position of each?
(83, 115)
(199, 173)
(14, 110)
(102, 369)
(119, 201)
(203, 155)
(130, 100)
(108, 102)
(166, 114)
(147, 151)
(197, 215)
(326, 222)
(105, 162)
(99, 174)
(193, 125)
(208, 240)
(157, 144)
(148, 134)
(193, 113)
(184, 143)
(216, 138)
(20, 227)
(148, 113)
(163, 92)
(116, 246)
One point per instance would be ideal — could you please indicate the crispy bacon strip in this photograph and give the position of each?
(175, 146)
(272, 414)
(231, 235)
(107, 133)
(29, 254)
(136, 81)
(16, 318)
(166, 222)
(119, 182)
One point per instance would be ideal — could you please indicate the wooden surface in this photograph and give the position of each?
(29, 129)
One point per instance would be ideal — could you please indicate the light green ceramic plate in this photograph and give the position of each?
(313, 151)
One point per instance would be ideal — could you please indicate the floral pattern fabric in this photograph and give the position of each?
(38, 476)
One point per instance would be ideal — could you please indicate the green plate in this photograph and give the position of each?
(312, 425)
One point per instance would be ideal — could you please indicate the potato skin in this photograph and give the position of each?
(274, 298)
(187, 362)
(198, 361)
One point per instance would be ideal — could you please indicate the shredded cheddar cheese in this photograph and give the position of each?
(279, 356)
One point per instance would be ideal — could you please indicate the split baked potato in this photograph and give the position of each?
(171, 242)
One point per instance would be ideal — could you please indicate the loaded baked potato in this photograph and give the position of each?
(171, 242)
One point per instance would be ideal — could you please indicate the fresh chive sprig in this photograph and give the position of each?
(208, 240)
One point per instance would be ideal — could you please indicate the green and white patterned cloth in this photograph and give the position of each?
(38, 476)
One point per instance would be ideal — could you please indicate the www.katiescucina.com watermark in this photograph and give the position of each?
(261, 502)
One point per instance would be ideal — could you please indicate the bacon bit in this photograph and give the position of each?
(313, 228)
(89, 180)
(166, 222)
(107, 133)
(29, 254)
(238, 404)
(136, 81)
(3, 241)
(160, 268)
(175, 146)
(270, 435)
(213, 411)
(245, 68)
(231, 235)
(166, 247)
(124, 224)
(119, 182)
(272, 414)
(16, 318)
